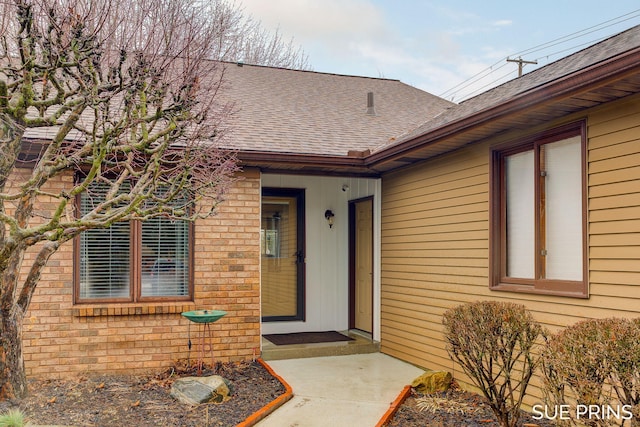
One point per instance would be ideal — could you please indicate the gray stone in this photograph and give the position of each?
(432, 382)
(197, 390)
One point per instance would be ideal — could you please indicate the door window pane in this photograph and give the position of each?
(279, 263)
(282, 249)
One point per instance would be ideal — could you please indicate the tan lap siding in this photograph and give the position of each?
(614, 207)
(434, 251)
(435, 219)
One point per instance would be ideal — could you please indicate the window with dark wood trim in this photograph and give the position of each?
(538, 214)
(133, 261)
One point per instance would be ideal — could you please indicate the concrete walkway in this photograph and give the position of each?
(349, 391)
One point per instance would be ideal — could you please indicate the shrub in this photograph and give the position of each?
(13, 418)
(493, 343)
(595, 362)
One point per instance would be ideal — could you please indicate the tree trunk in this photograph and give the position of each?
(13, 379)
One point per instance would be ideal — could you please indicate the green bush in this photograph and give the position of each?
(13, 418)
(493, 342)
(595, 362)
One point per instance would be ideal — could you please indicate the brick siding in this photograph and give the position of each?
(62, 339)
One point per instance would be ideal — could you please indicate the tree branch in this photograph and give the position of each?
(29, 285)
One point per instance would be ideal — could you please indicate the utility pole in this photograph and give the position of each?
(521, 62)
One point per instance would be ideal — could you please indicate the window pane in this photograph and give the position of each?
(563, 209)
(520, 227)
(104, 255)
(160, 246)
(165, 257)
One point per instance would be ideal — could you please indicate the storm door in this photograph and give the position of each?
(282, 251)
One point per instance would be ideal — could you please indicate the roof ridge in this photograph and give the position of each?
(242, 64)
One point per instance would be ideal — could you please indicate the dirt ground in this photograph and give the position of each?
(145, 401)
(453, 408)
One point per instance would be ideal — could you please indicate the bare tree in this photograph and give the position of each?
(244, 39)
(115, 95)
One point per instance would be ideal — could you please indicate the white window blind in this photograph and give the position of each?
(105, 256)
(563, 209)
(560, 201)
(520, 189)
(165, 257)
(105, 262)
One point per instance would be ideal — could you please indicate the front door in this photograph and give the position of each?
(361, 213)
(282, 252)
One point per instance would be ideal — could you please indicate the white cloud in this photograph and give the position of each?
(334, 21)
(434, 45)
(427, 50)
(503, 23)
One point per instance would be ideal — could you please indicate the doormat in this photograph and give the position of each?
(307, 337)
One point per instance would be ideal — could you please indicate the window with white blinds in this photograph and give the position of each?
(538, 214)
(133, 260)
(165, 258)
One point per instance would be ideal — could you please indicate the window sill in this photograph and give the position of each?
(133, 309)
(524, 289)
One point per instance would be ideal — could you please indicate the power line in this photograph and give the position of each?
(465, 84)
(569, 49)
(492, 83)
(492, 69)
(583, 32)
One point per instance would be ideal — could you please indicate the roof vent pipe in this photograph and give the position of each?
(370, 106)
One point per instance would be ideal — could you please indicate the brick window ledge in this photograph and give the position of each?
(95, 310)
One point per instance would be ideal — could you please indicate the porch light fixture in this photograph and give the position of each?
(328, 214)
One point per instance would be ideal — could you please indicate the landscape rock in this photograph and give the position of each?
(197, 390)
(432, 382)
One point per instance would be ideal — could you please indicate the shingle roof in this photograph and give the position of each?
(313, 122)
(304, 112)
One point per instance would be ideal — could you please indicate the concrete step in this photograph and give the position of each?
(360, 345)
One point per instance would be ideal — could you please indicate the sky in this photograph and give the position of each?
(450, 48)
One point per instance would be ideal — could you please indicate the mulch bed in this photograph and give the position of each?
(117, 400)
(453, 408)
(141, 401)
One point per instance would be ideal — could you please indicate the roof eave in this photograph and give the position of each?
(307, 164)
